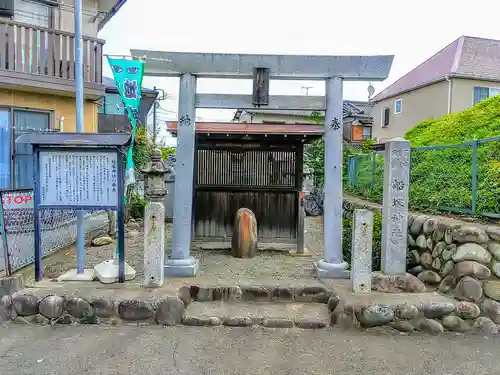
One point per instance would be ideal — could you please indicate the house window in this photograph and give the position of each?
(385, 117)
(26, 122)
(398, 106)
(367, 133)
(33, 13)
(111, 105)
(482, 93)
(5, 142)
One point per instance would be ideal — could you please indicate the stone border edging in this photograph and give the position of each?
(433, 317)
(169, 311)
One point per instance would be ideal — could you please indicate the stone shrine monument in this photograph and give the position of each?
(154, 221)
(244, 241)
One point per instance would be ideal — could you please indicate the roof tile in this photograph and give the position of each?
(436, 67)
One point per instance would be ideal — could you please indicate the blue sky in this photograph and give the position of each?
(412, 33)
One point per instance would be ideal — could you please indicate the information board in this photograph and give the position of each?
(71, 178)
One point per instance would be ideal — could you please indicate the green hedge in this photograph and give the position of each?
(443, 177)
(478, 122)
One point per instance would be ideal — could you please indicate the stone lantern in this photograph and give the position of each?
(154, 221)
(154, 177)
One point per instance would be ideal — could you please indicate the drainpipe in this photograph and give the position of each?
(449, 93)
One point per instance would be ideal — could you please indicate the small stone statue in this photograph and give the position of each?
(244, 241)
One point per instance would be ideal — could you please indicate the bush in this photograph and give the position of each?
(167, 151)
(443, 177)
(478, 122)
(142, 149)
(136, 206)
(314, 158)
(368, 178)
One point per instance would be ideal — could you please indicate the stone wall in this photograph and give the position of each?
(458, 259)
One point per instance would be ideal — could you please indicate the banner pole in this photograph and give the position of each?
(128, 75)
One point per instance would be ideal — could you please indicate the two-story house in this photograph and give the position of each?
(357, 118)
(37, 74)
(456, 78)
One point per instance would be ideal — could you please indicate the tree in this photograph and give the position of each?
(314, 154)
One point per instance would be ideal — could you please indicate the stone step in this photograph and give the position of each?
(266, 314)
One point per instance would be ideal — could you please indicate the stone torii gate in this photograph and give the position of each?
(334, 70)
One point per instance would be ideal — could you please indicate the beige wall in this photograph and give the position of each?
(59, 105)
(417, 105)
(258, 118)
(64, 18)
(463, 92)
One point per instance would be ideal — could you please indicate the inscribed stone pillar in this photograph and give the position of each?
(180, 262)
(332, 265)
(361, 254)
(154, 221)
(395, 206)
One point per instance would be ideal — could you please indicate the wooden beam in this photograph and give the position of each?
(294, 67)
(260, 94)
(283, 102)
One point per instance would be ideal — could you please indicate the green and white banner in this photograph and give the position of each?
(128, 76)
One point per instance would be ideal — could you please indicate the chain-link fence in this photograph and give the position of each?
(462, 178)
(58, 228)
(365, 176)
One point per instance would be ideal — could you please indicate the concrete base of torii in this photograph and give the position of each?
(325, 270)
(88, 274)
(182, 267)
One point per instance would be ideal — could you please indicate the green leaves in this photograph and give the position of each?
(478, 122)
(167, 151)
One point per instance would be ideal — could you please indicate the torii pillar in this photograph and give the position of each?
(332, 264)
(333, 69)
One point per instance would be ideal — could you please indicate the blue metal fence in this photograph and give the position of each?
(462, 178)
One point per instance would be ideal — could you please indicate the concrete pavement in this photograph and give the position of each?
(93, 350)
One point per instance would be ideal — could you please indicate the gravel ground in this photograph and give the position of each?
(214, 265)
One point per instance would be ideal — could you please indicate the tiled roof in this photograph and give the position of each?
(351, 108)
(466, 57)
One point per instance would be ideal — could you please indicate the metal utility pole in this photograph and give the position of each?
(80, 232)
(155, 105)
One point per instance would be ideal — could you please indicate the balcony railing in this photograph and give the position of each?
(36, 50)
